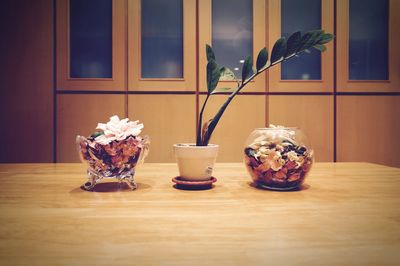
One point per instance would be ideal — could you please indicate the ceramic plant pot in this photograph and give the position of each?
(195, 163)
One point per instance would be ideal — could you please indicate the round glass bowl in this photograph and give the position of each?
(117, 159)
(278, 158)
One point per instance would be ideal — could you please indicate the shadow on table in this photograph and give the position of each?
(301, 188)
(111, 187)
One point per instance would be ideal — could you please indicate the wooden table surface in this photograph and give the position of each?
(346, 214)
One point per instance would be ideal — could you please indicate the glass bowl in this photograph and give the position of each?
(278, 158)
(118, 159)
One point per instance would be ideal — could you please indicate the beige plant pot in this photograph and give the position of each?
(195, 163)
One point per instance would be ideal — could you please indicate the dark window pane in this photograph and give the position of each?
(368, 40)
(91, 39)
(162, 38)
(301, 16)
(232, 32)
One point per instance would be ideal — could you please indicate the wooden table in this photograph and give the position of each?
(347, 214)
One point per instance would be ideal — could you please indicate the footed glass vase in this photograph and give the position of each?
(117, 160)
(278, 158)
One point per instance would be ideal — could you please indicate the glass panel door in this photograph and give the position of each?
(232, 32)
(368, 39)
(301, 16)
(90, 36)
(162, 38)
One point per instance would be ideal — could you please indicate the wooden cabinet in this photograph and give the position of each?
(79, 115)
(94, 72)
(157, 73)
(162, 45)
(167, 119)
(368, 55)
(244, 114)
(309, 72)
(311, 113)
(368, 129)
(237, 26)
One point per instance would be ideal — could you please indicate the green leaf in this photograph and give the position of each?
(320, 47)
(247, 69)
(210, 53)
(213, 75)
(226, 74)
(279, 50)
(309, 39)
(221, 90)
(262, 59)
(293, 43)
(325, 38)
(96, 134)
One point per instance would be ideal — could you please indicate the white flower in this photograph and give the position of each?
(117, 129)
(292, 155)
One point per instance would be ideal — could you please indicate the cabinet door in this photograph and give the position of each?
(90, 45)
(78, 114)
(311, 72)
(311, 113)
(243, 115)
(162, 45)
(368, 41)
(368, 129)
(168, 119)
(235, 29)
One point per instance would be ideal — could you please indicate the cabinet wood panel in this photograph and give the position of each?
(312, 114)
(244, 114)
(79, 115)
(167, 119)
(276, 84)
(342, 67)
(368, 129)
(205, 37)
(117, 82)
(135, 81)
(26, 83)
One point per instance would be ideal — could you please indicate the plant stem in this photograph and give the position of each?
(217, 117)
(199, 127)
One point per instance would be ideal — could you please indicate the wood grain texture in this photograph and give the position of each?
(167, 119)
(368, 129)
(79, 115)
(243, 115)
(343, 216)
(26, 83)
(312, 114)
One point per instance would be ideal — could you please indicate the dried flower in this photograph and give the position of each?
(117, 129)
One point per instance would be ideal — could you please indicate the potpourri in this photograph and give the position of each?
(275, 160)
(113, 151)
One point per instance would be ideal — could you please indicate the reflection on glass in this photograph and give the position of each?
(162, 39)
(91, 39)
(368, 39)
(232, 32)
(301, 16)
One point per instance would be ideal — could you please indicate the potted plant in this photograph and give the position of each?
(196, 161)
